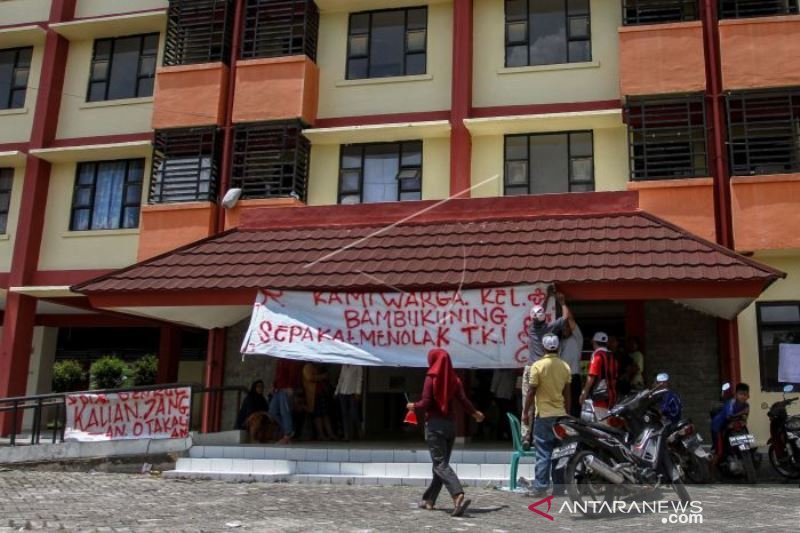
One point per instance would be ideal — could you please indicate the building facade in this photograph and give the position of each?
(123, 124)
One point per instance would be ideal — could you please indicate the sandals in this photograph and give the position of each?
(425, 504)
(461, 507)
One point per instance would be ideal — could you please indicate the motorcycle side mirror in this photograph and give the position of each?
(764, 405)
(788, 388)
(726, 387)
(662, 377)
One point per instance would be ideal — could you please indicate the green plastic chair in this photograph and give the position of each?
(519, 453)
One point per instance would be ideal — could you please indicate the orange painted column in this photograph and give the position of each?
(461, 99)
(20, 314)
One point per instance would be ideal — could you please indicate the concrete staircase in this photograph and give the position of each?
(341, 465)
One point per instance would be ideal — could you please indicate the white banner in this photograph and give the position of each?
(480, 328)
(156, 414)
(789, 363)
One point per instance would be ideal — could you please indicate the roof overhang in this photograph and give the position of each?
(94, 152)
(544, 122)
(39, 291)
(113, 26)
(12, 158)
(400, 131)
(22, 36)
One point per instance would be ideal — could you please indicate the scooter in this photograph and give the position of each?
(603, 463)
(784, 440)
(688, 453)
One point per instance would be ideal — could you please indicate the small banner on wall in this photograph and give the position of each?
(481, 328)
(154, 414)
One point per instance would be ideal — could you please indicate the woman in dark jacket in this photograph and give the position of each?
(253, 403)
(441, 388)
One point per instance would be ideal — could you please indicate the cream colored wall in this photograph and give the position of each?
(787, 289)
(7, 240)
(16, 124)
(341, 98)
(79, 118)
(97, 8)
(494, 85)
(14, 12)
(323, 182)
(610, 162)
(63, 249)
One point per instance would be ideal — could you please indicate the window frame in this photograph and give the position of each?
(6, 173)
(632, 11)
(368, 55)
(760, 325)
(570, 178)
(527, 41)
(174, 144)
(106, 80)
(694, 133)
(743, 134)
(739, 9)
(363, 147)
(126, 182)
(8, 101)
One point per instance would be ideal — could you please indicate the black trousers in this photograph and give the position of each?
(440, 434)
(575, 389)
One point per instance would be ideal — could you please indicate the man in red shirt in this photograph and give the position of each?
(287, 378)
(601, 385)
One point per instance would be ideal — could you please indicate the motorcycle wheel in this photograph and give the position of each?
(668, 464)
(787, 469)
(583, 485)
(749, 468)
(697, 471)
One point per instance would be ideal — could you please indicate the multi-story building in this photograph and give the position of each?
(122, 125)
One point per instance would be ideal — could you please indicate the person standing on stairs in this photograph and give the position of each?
(442, 387)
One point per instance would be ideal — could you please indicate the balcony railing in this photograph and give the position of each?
(764, 131)
(198, 31)
(639, 12)
(667, 137)
(185, 165)
(738, 9)
(279, 28)
(270, 160)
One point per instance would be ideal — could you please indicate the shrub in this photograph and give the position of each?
(109, 372)
(145, 370)
(67, 376)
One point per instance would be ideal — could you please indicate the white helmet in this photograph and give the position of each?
(537, 312)
(550, 342)
(600, 337)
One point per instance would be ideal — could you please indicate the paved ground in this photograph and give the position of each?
(118, 502)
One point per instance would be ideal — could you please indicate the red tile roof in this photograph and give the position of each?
(501, 247)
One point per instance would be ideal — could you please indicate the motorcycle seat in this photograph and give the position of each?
(610, 429)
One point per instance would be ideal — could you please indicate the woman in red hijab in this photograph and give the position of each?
(442, 386)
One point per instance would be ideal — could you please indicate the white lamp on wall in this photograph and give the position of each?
(231, 198)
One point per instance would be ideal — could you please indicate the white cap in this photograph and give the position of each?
(600, 337)
(550, 342)
(537, 312)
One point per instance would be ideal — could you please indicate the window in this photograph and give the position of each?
(198, 31)
(107, 195)
(735, 9)
(15, 66)
(6, 181)
(549, 163)
(636, 12)
(185, 165)
(270, 160)
(384, 172)
(276, 28)
(547, 32)
(124, 67)
(764, 131)
(387, 43)
(778, 323)
(666, 137)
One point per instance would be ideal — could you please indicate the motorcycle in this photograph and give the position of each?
(601, 462)
(688, 453)
(738, 457)
(784, 440)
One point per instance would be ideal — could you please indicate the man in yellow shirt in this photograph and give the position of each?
(549, 386)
